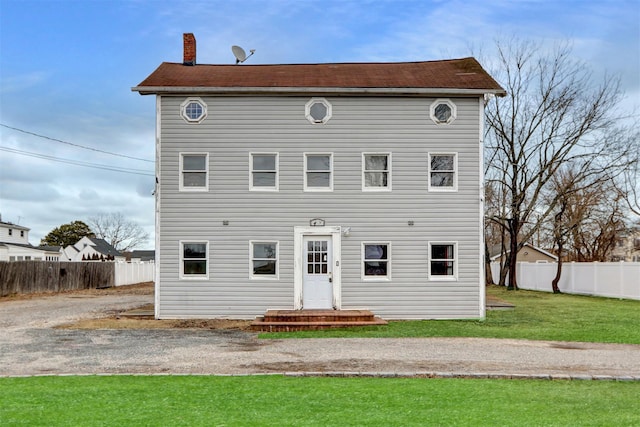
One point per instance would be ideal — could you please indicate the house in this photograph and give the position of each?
(15, 246)
(627, 246)
(528, 253)
(92, 249)
(138, 256)
(319, 186)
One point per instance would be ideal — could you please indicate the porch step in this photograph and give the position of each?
(303, 320)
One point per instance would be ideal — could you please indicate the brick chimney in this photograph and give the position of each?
(189, 49)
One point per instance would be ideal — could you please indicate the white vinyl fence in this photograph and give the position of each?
(606, 279)
(130, 273)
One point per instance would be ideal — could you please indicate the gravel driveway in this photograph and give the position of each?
(31, 345)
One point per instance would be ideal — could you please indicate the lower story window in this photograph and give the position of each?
(375, 260)
(194, 259)
(442, 260)
(264, 259)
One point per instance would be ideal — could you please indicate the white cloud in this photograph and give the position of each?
(20, 82)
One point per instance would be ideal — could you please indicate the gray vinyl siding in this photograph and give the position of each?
(237, 126)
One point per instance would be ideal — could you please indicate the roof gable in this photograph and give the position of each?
(496, 251)
(14, 226)
(446, 76)
(101, 245)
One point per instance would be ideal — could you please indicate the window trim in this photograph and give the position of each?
(182, 274)
(443, 278)
(253, 276)
(310, 118)
(252, 171)
(181, 172)
(318, 189)
(388, 171)
(454, 187)
(452, 106)
(366, 278)
(183, 110)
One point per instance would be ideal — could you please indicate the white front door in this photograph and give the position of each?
(317, 274)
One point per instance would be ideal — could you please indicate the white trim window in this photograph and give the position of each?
(376, 171)
(318, 111)
(264, 260)
(194, 260)
(264, 172)
(443, 261)
(443, 172)
(443, 111)
(376, 260)
(193, 110)
(194, 172)
(318, 172)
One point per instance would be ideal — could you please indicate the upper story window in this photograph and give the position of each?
(376, 171)
(443, 172)
(193, 110)
(443, 111)
(443, 261)
(264, 172)
(317, 110)
(194, 171)
(318, 172)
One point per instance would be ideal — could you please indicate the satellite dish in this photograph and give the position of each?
(240, 54)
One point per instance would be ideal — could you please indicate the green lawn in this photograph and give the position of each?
(287, 401)
(537, 316)
(307, 401)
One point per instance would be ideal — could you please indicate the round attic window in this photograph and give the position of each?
(443, 111)
(193, 110)
(318, 110)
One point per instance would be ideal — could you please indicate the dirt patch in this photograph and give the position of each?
(114, 319)
(117, 322)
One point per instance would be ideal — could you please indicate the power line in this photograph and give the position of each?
(77, 162)
(74, 145)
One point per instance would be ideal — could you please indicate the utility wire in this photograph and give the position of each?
(75, 145)
(78, 163)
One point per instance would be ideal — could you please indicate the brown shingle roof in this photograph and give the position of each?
(455, 75)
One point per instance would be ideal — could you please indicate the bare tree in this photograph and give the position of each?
(494, 233)
(595, 236)
(120, 232)
(553, 115)
(630, 183)
(587, 213)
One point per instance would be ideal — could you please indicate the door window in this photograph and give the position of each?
(317, 257)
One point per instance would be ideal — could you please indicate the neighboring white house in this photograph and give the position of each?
(344, 186)
(15, 246)
(92, 249)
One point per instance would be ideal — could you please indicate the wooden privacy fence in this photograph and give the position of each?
(26, 277)
(606, 279)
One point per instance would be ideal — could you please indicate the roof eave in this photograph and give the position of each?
(401, 91)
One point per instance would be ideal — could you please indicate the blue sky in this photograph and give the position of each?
(67, 68)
